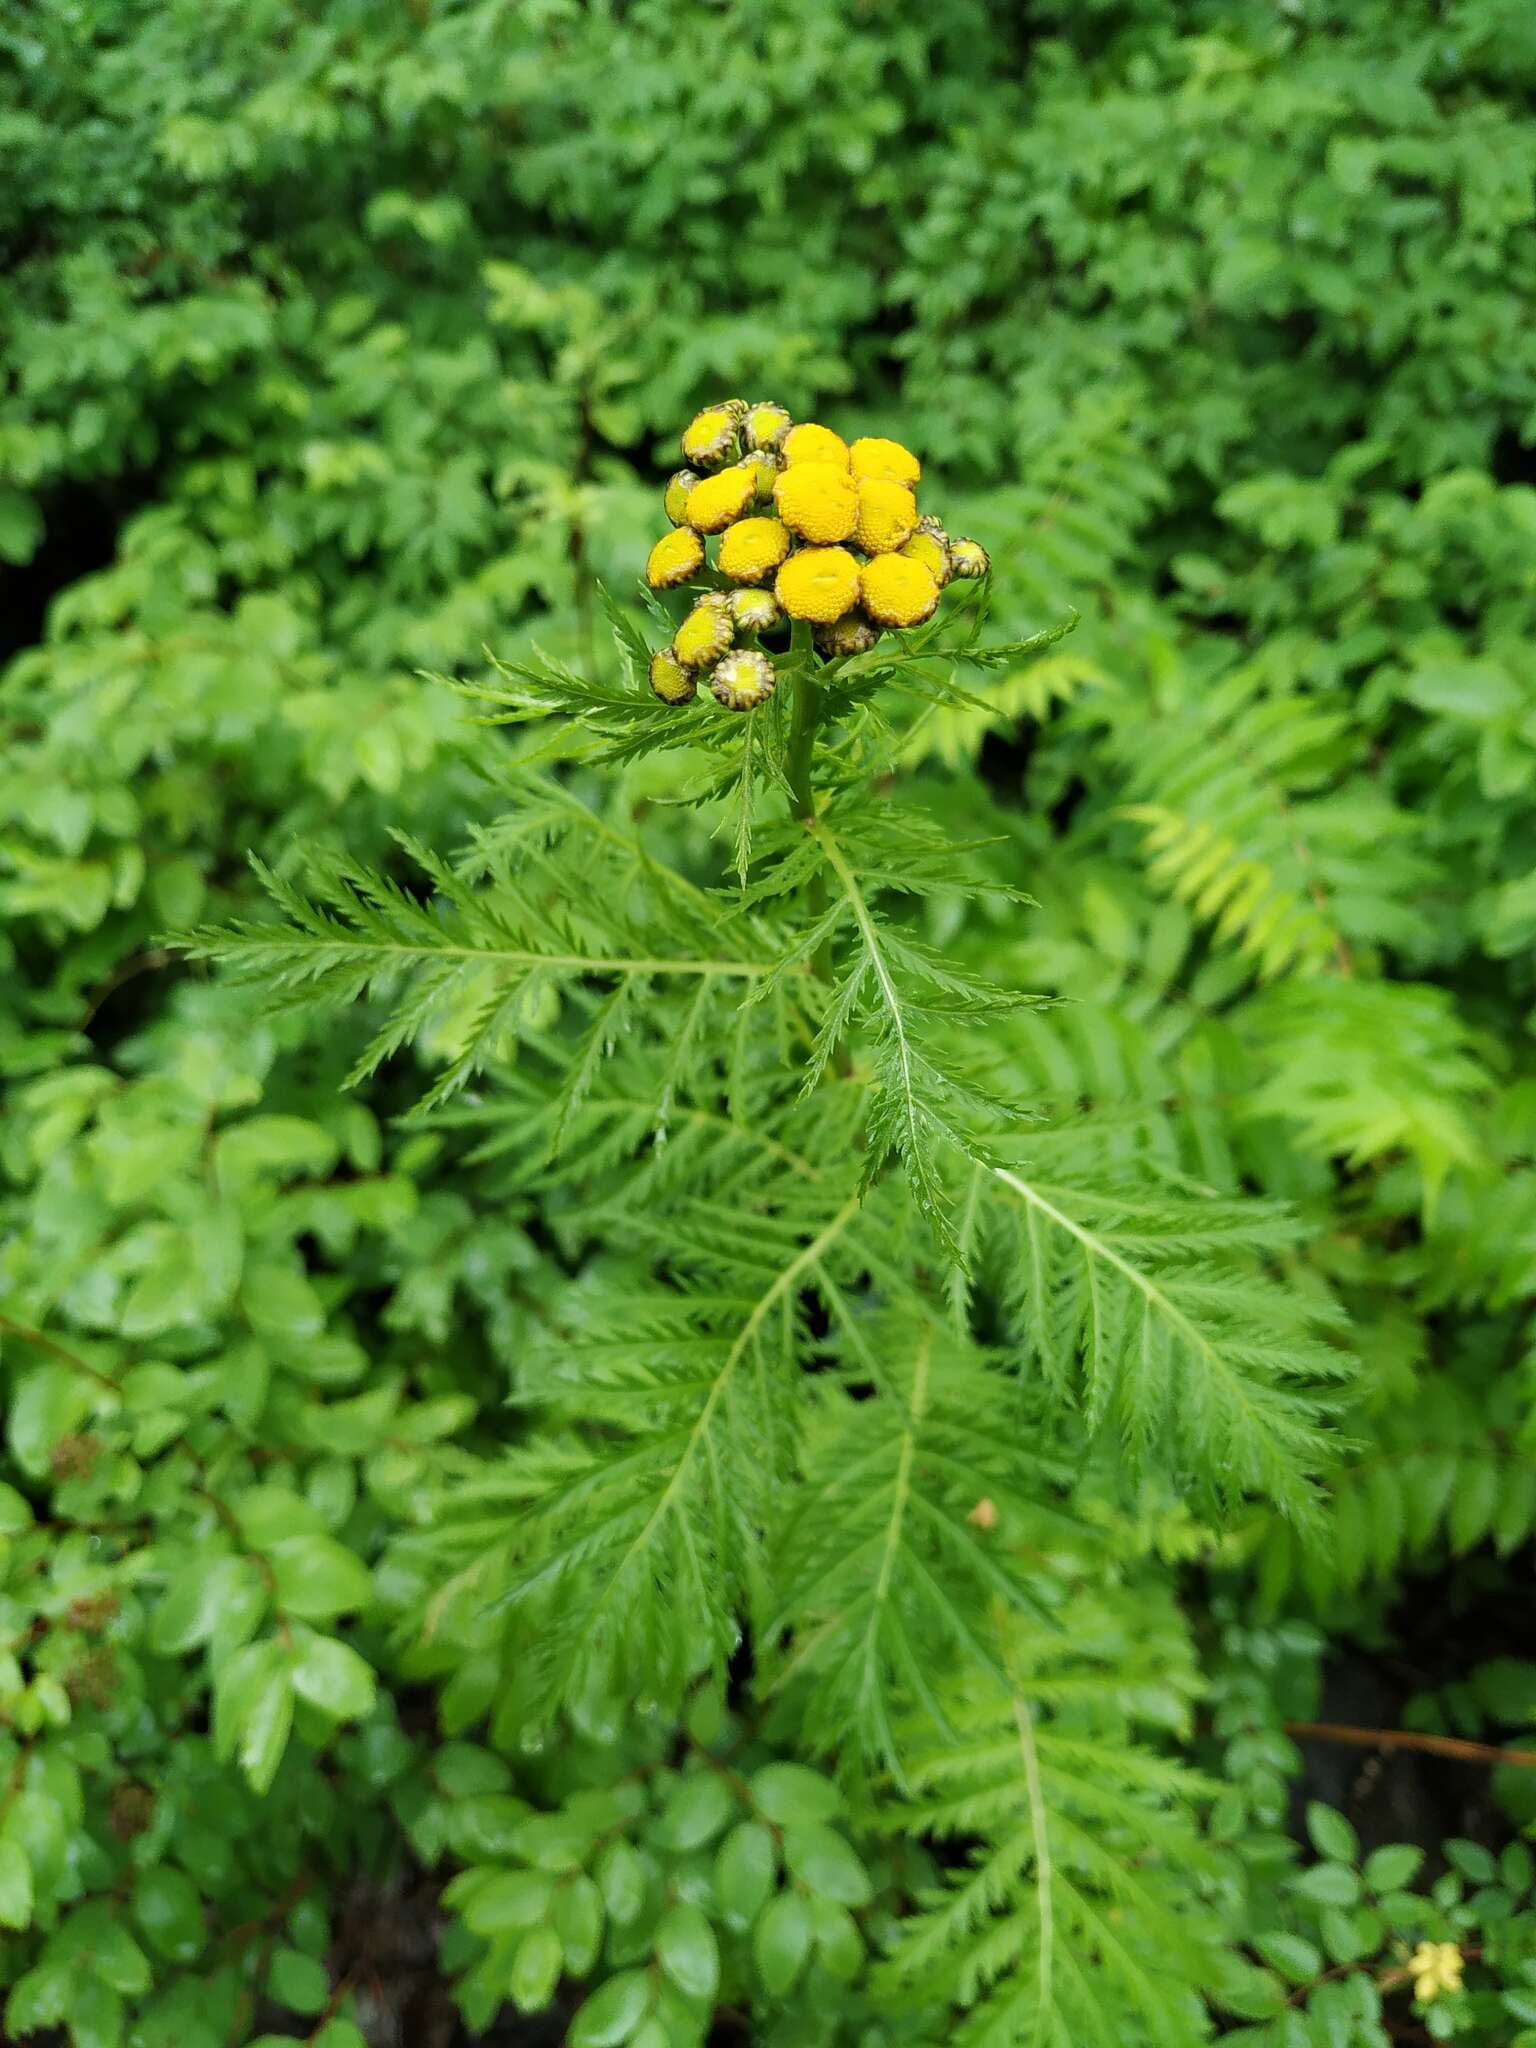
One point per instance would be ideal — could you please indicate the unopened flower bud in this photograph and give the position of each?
(710, 437)
(766, 424)
(674, 499)
(743, 681)
(706, 632)
(969, 558)
(851, 634)
(763, 466)
(755, 611)
(670, 680)
(932, 551)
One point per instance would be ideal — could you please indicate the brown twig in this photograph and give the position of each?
(141, 963)
(25, 1334)
(1408, 1738)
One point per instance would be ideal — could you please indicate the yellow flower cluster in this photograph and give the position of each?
(1435, 1966)
(809, 527)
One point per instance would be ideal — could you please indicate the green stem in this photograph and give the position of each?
(804, 719)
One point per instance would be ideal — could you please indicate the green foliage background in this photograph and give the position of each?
(343, 342)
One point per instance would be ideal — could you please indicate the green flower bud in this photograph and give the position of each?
(756, 611)
(765, 425)
(674, 498)
(968, 558)
(764, 466)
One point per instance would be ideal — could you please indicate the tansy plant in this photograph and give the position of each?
(835, 530)
(856, 1344)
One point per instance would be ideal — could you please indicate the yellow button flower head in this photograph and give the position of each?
(931, 551)
(1435, 1966)
(715, 502)
(674, 499)
(710, 436)
(706, 632)
(742, 681)
(888, 461)
(670, 680)
(887, 516)
(818, 584)
(969, 558)
(817, 500)
(810, 443)
(897, 592)
(851, 635)
(765, 425)
(675, 557)
(752, 549)
(756, 611)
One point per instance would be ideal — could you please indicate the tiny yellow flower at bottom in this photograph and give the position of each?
(1435, 1966)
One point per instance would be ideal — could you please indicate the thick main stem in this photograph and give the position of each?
(804, 719)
